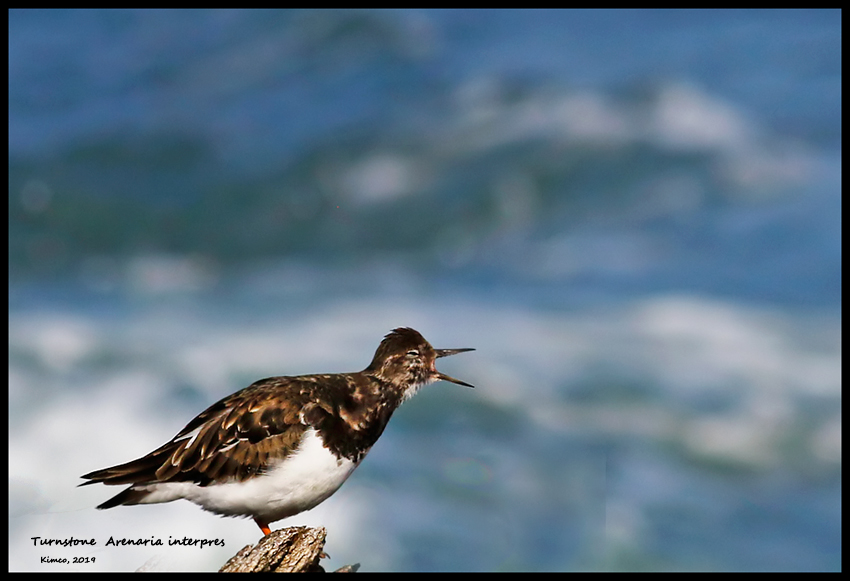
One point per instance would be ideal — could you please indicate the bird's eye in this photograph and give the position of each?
(413, 353)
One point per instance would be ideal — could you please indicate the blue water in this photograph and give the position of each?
(633, 216)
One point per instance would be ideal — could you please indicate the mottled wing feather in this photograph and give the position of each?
(235, 438)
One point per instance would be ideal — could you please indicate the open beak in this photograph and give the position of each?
(446, 353)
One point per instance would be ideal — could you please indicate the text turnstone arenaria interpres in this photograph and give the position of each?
(284, 444)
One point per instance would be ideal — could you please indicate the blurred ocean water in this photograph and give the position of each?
(634, 217)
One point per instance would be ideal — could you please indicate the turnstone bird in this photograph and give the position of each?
(284, 444)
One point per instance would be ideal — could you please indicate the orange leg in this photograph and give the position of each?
(263, 527)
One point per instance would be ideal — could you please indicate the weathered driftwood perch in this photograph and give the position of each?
(290, 550)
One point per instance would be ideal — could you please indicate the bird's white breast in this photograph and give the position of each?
(298, 483)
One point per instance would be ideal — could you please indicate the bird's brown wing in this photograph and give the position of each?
(234, 439)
